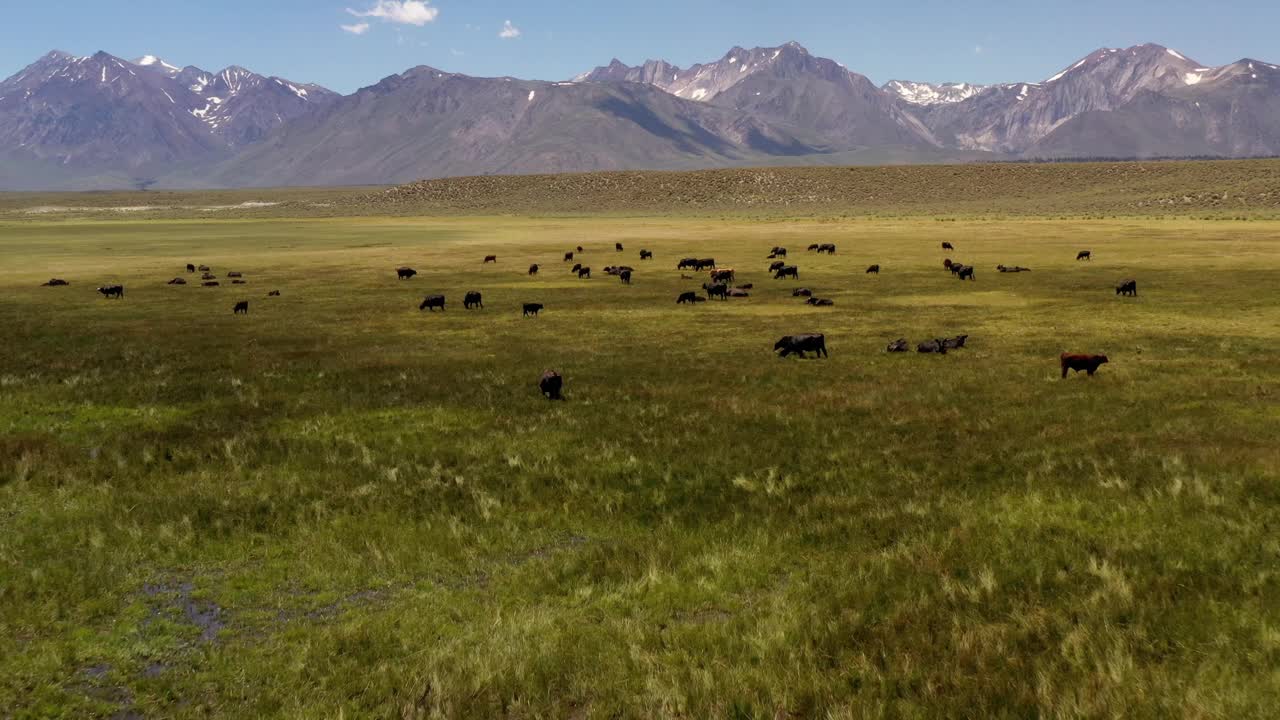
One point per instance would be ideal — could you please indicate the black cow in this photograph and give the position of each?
(820, 302)
(933, 346)
(717, 290)
(584, 273)
(489, 259)
(646, 255)
(177, 281)
(55, 282)
(801, 344)
(235, 274)
(532, 309)
(873, 270)
(828, 248)
(617, 246)
(745, 286)
(802, 292)
(626, 277)
(551, 385)
(947, 263)
(776, 265)
(687, 264)
(241, 308)
(405, 273)
(580, 249)
(706, 264)
(966, 272)
(687, 297)
(725, 276)
(274, 293)
(955, 267)
(191, 268)
(568, 257)
(1128, 287)
(112, 291)
(1012, 269)
(788, 271)
(472, 300)
(948, 246)
(431, 302)
(203, 268)
(237, 282)
(955, 342)
(208, 276)
(576, 267)
(777, 252)
(210, 283)
(533, 269)
(1084, 255)
(899, 345)
(812, 247)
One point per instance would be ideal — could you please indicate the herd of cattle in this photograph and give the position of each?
(720, 286)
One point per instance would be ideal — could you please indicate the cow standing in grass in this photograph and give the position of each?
(790, 271)
(646, 255)
(471, 300)
(801, 344)
(431, 302)
(1078, 362)
(873, 270)
(1084, 255)
(405, 273)
(532, 309)
(1128, 287)
(551, 384)
(112, 291)
(533, 269)
(241, 308)
(490, 259)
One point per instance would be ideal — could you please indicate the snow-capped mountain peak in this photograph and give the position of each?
(922, 93)
(156, 62)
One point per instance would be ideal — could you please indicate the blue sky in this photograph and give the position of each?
(931, 40)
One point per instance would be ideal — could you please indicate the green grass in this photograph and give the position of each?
(338, 506)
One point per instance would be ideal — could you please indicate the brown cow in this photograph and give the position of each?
(1077, 362)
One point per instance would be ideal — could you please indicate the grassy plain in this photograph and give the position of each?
(339, 506)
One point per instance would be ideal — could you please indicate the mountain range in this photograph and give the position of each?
(69, 122)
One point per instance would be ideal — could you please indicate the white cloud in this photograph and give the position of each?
(509, 31)
(357, 29)
(403, 12)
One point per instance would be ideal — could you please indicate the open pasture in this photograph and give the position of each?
(339, 505)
